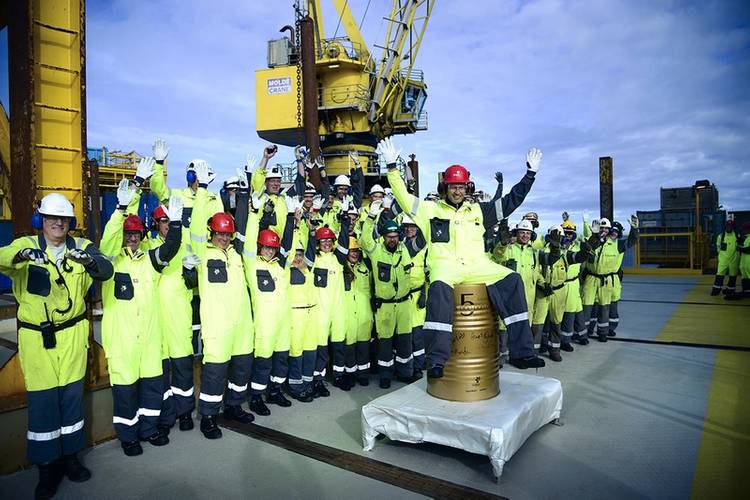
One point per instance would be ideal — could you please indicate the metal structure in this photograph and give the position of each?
(330, 93)
(606, 187)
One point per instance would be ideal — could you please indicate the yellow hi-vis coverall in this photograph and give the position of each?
(277, 221)
(358, 307)
(392, 303)
(226, 320)
(744, 250)
(572, 321)
(455, 255)
(598, 286)
(328, 278)
(729, 262)
(132, 329)
(269, 292)
(303, 298)
(53, 293)
(523, 259)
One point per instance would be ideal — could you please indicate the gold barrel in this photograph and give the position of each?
(472, 372)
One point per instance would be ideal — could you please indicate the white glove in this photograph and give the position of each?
(595, 226)
(124, 194)
(355, 158)
(388, 150)
(145, 169)
(320, 162)
(174, 211)
(160, 150)
(300, 153)
(292, 203)
(242, 176)
(634, 221)
(211, 174)
(309, 163)
(388, 201)
(191, 261)
(533, 159)
(375, 208)
(318, 202)
(257, 202)
(201, 171)
(565, 216)
(250, 162)
(80, 256)
(345, 205)
(34, 255)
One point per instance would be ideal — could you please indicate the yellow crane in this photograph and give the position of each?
(343, 97)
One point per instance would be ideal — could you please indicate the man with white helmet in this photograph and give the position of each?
(52, 273)
(268, 180)
(455, 234)
(228, 194)
(345, 188)
(601, 273)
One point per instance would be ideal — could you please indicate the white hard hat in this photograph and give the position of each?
(310, 189)
(556, 227)
(191, 165)
(376, 188)
(525, 224)
(274, 172)
(353, 211)
(405, 219)
(604, 223)
(232, 182)
(342, 180)
(56, 204)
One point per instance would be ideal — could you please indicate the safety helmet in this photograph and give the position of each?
(431, 196)
(405, 219)
(158, 214)
(269, 238)
(617, 227)
(56, 204)
(232, 182)
(353, 211)
(556, 227)
(274, 172)
(604, 223)
(353, 243)
(568, 225)
(133, 223)
(390, 226)
(221, 222)
(377, 188)
(310, 189)
(342, 180)
(325, 233)
(525, 225)
(456, 174)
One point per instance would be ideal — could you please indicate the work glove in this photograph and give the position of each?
(345, 205)
(533, 159)
(242, 176)
(300, 153)
(80, 256)
(499, 177)
(374, 209)
(504, 233)
(555, 238)
(174, 211)
(318, 202)
(269, 151)
(160, 150)
(389, 151)
(634, 221)
(595, 226)
(144, 170)
(268, 206)
(547, 290)
(34, 255)
(354, 156)
(250, 162)
(388, 201)
(292, 204)
(211, 174)
(125, 194)
(256, 202)
(191, 261)
(309, 163)
(565, 216)
(320, 163)
(201, 172)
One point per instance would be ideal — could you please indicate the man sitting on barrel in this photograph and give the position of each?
(455, 234)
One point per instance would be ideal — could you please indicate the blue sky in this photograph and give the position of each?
(658, 85)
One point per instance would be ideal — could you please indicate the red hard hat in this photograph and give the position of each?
(325, 233)
(133, 223)
(221, 223)
(269, 238)
(456, 174)
(159, 213)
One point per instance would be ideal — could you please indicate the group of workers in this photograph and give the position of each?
(733, 250)
(274, 282)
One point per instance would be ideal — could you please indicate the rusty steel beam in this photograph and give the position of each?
(310, 94)
(21, 83)
(606, 187)
(89, 183)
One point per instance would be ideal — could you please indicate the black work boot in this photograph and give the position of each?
(164, 429)
(50, 476)
(341, 383)
(407, 379)
(305, 396)
(418, 373)
(566, 346)
(186, 422)
(131, 448)
(320, 390)
(158, 438)
(74, 469)
(385, 383)
(602, 337)
(528, 362)
(209, 427)
(554, 355)
(581, 339)
(435, 371)
(236, 413)
(611, 333)
(277, 398)
(364, 380)
(258, 406)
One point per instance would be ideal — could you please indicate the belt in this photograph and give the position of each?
(395, 301)
(303, 307)
(415, 290)
(602, 277)
(574, 278)
(57, 328)
(561, 285)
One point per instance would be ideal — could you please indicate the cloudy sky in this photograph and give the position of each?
(655, 84)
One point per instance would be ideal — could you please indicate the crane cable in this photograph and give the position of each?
(340, 17)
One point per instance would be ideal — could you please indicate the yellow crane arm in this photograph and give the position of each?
(352, 30)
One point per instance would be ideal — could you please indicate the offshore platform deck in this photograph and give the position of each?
(662, 411)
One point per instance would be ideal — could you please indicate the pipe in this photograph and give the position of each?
(310, 94)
